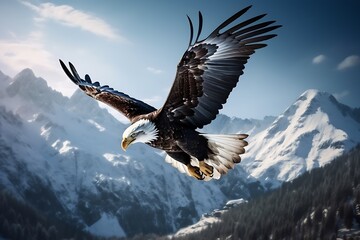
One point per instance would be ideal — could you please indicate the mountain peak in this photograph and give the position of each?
(311, 94)
(81, 103)
(309, 102)
(309, 134)
(88, 107)
(26, 81)
(33, 90)
(26, 73)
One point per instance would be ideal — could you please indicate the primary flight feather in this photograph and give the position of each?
(206, 74)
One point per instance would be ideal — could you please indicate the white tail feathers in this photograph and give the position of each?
(226, 150)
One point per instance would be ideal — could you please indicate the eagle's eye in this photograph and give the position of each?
(133, 135)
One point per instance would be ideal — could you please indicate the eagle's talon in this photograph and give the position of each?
(206, 169)
(202, 176)
(195, 172)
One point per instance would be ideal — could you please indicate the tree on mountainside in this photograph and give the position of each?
(19, 221)
(348, 215)
(314, 206)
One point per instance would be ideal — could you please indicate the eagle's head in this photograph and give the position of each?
(143, 131)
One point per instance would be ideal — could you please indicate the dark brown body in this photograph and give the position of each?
(176, 139)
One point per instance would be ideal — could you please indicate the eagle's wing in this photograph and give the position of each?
(125, 104)
(210, 69)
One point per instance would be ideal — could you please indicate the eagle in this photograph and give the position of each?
(206, 74)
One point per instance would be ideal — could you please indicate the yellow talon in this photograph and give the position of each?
(206, 168)
(195, 172)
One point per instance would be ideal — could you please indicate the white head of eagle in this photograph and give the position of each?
(143, 131)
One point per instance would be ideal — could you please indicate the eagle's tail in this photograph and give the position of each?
(226, 150)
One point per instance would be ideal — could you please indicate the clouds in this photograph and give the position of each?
(24, 53)
(153, 100)
(319, 59)
(348, 62)
(154, 70)
(341, 95)
(30, 52)
(68, 16)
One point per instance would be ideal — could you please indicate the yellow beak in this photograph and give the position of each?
(126, 142)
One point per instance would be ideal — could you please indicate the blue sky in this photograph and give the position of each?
(134, 46)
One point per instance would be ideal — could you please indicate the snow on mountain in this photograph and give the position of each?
(63, 156)
(224, 124)
(309, 134)
(208, 219)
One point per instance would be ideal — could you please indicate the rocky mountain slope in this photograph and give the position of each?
(309, 134)
(62, 156)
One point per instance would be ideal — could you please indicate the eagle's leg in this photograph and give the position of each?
(206, 168)
(185, 159)
(197, 147)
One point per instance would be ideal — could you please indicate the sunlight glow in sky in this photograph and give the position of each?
(134, 47)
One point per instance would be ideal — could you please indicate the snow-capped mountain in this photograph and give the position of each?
(309, 134)
(63, 156)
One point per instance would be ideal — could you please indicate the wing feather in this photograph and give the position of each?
(125, 104)
(210, 69)
(228, 21)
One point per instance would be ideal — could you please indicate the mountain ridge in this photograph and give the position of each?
(309, 134)
(69, 149)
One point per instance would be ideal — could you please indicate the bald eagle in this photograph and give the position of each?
(206, 74)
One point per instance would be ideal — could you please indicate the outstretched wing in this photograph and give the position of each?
(210, 69)
(125, 104)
